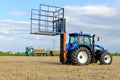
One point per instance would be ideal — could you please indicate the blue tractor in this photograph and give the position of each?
(82, 50)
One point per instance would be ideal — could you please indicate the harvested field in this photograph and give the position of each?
(49, 68)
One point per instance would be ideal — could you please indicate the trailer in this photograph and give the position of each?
(30, 51)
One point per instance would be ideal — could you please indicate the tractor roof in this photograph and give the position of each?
(80, 34)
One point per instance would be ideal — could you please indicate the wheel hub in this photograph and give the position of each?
(82, 57)
(107, 58)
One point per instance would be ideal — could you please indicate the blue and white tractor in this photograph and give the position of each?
(82, 50)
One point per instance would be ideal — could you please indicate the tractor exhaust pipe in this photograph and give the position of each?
(93, 43)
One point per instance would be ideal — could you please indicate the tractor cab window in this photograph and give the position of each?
(87, 40)
(72, 39)
(81, 39)
(84, 39)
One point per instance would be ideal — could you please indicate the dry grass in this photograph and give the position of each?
(49, 68)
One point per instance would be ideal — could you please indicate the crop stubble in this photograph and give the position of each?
(49, 68)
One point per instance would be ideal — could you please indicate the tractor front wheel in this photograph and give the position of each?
(106, 58)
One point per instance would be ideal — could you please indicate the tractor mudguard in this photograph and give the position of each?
(72, 46)
(100, 48)
(68, 47)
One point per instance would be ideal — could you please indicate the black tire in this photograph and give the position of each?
(94, 60)
(106, 58)
(80, 56)
(69, 58)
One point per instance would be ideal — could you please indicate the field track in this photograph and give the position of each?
(49, 68)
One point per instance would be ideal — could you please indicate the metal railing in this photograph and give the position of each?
(47, 19)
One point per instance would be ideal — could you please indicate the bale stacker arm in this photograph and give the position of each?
(49, 20)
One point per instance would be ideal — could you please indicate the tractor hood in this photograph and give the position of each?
(99, 47)
(72, 47)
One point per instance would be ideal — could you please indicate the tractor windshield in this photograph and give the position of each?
(81, 39)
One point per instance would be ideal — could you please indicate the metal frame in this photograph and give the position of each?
(44, 21)
(49, 20)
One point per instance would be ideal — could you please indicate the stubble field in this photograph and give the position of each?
(49, 68)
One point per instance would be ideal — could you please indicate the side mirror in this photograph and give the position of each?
(98, 39)
(93, 35)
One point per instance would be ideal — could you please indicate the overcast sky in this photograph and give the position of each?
(100, 17)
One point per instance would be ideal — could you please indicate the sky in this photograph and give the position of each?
(100, 17)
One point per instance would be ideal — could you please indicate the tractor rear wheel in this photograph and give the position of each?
(80, 56)
(106, 58)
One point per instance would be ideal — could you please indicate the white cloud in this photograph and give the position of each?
(100, 10)
(5, 31)
(15, 22)
(13, 29)
(17, 13)
(6, 39)
(95, 16)
(77, 21)
(118, 1)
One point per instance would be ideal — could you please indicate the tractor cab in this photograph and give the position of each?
(76, 39)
